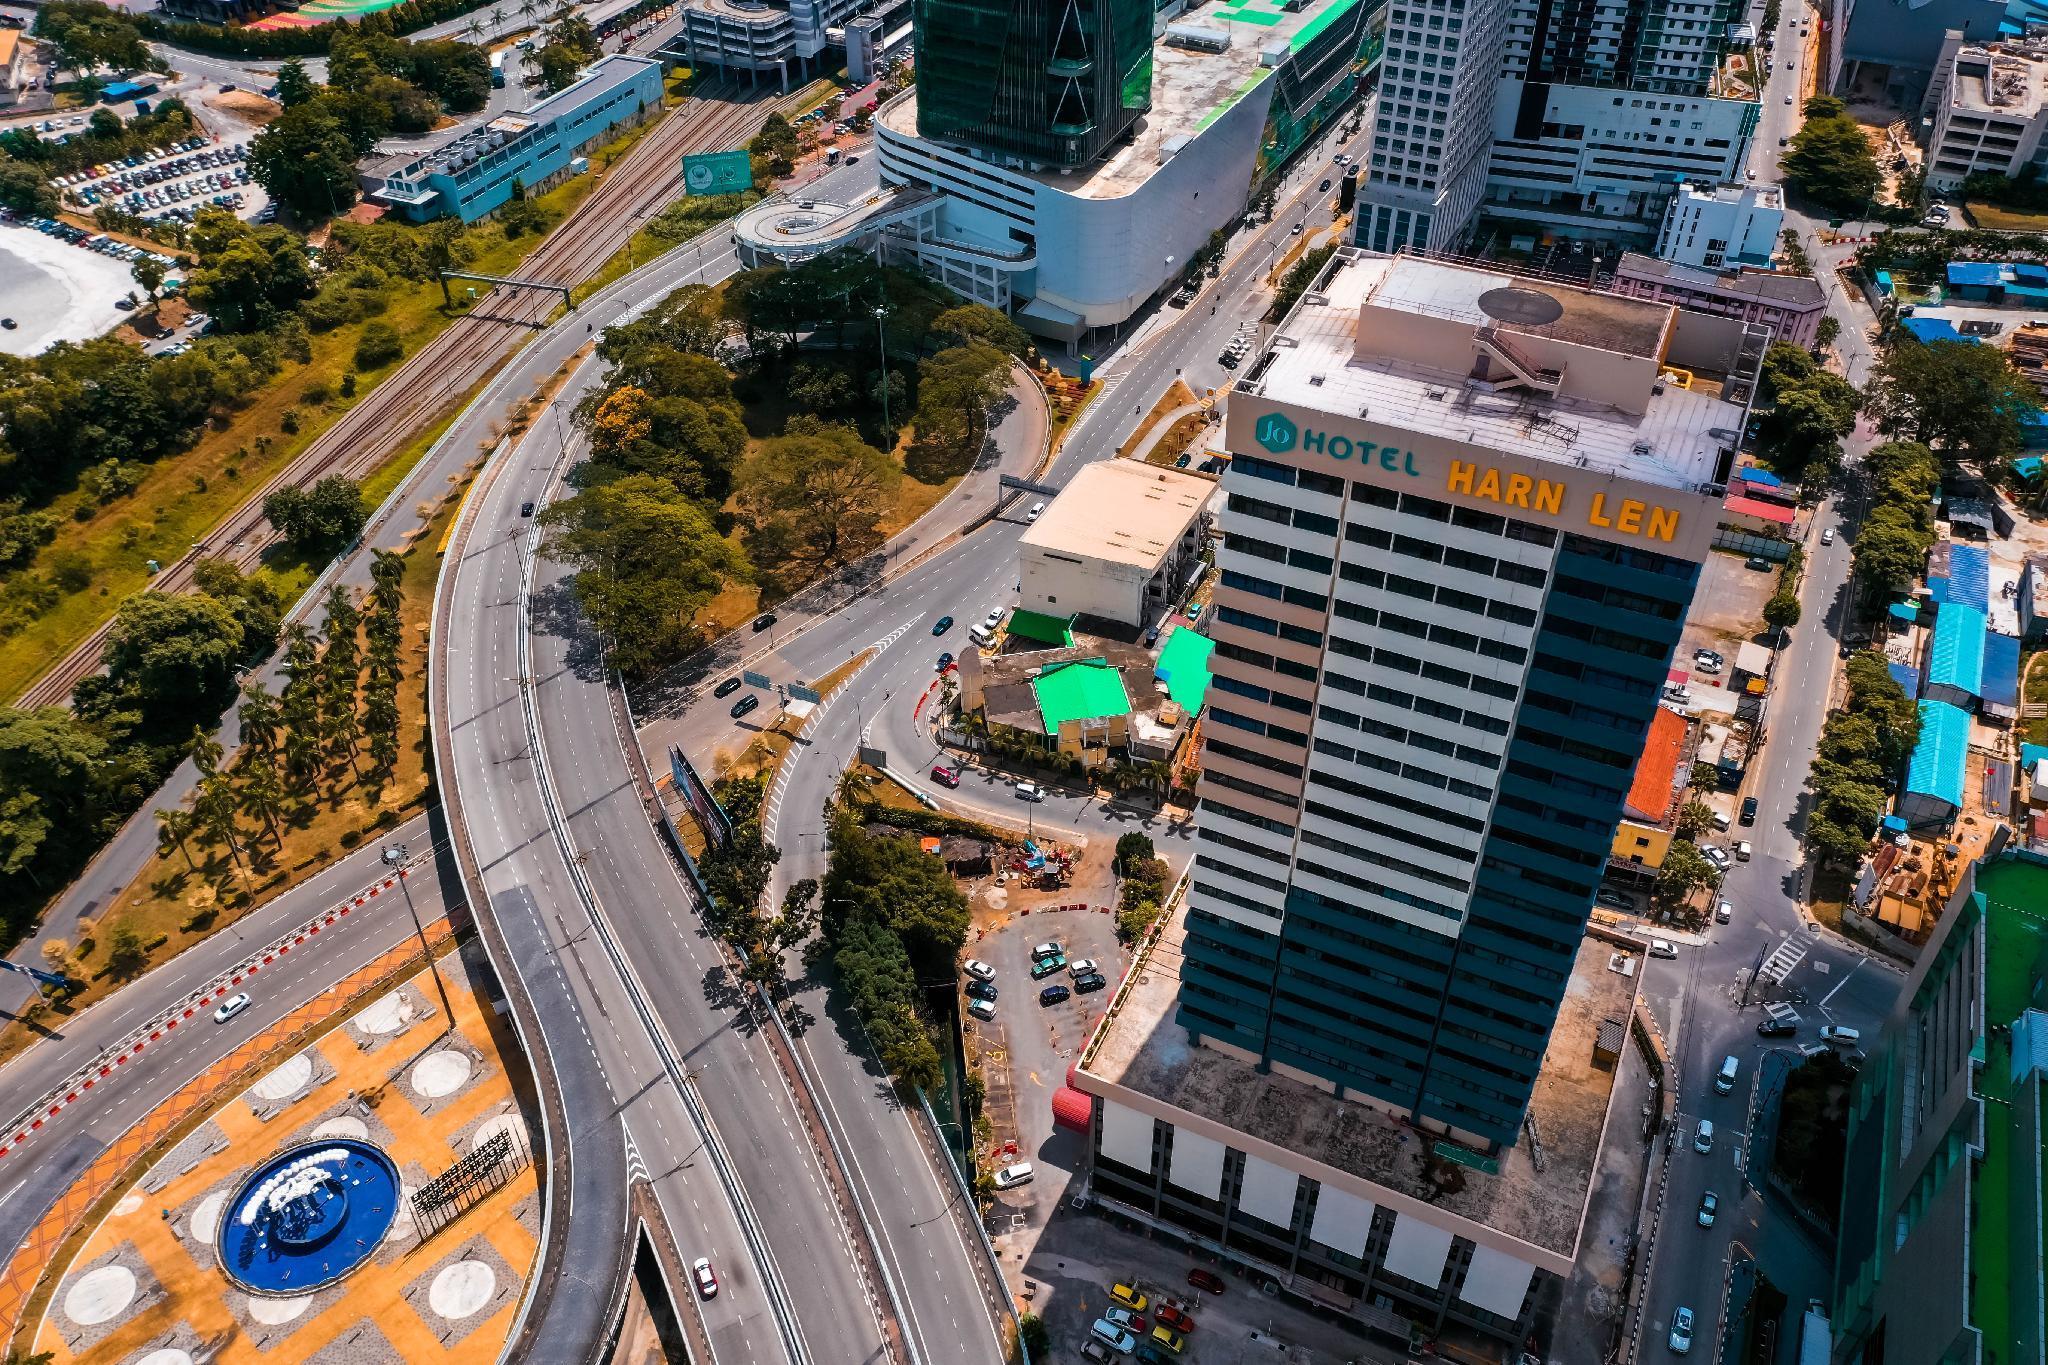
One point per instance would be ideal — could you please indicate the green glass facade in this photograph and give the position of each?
(1054, 82)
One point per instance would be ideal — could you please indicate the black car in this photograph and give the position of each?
(1094, 981)
(525, 509)
(982, 990)
(942, 625)
(1749, 810)
(726, 688)
(1776, 1028)
(764, 620)
(1052, 995)
(744, 705)
(1323, 188)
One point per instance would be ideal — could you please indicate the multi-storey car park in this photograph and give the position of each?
(1465, 516)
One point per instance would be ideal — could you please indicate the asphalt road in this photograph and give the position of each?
(33, 1174)
(1822, 977)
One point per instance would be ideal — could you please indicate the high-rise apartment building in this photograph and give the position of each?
(1465, 518)
(1585, 115)
(1048, 82)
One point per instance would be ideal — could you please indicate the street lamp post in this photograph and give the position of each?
(882, 345)
(394, 858)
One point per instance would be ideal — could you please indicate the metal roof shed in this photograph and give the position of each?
(1935, 775)
(1955, 662)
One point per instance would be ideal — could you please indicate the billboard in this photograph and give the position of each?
(710, 816)
(718, 172)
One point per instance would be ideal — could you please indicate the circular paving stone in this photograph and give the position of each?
(343, 1125)
(277, 1312)
(386, 1014)
(461, 1290)
(100, 1295)
(288, 1080)
(440, 1073)
(206, 1216)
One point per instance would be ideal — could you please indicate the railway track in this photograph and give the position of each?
(464, 353)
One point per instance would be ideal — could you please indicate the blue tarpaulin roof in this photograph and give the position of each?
(2028, 273)
(1957, 658)
(1968, 580)
(2027, 466)
(1975, 272)
(1905, 609)
(2030, 754)
(1763, 477)
(2001, 669)
(1895, 822)
(1934, 329)
(1906, 676)
(1941, 758)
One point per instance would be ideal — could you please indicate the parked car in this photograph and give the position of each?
(1113, 1336)
(1170, 1339)
(1757, 563)
(982, 1009)
(1089, 984)
(1030, 791)
(726, 688)
(1043, 967)
(1129, 1296)
(1776, 1028)
(1749, 810)
(1175, 1318)
(945, 776)
(1053, 995)
(1663, 947)
(978, 969)
(1716, 855)
(1723, 912)
(1012, 1176)
(1208, 1281)
(1052, 947)
(982, 990)
(1614, 900)
(1127, 1319)
(1081, 966)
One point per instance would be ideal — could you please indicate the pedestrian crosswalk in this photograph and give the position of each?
(1781, 963)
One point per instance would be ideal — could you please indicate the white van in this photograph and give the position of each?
(1663, 947)
(1724, 1079)
(1742, 851)
(1721, 821)
(1841, 1035)
(981, 635)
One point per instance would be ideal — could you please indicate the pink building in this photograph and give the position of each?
(1789, 305)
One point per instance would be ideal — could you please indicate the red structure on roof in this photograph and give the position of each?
(1756, 507)
(1073, 1109)
(1652, 790)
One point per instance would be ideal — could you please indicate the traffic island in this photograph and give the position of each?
(358, 1187)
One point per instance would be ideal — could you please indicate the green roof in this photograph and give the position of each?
(1086, 689)
(1036, 625)
(2006, 1244)
(1184, 665)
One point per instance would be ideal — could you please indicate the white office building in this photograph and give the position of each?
(1580, 117)
(778, 39)
(1722, 227)
(1990, 112)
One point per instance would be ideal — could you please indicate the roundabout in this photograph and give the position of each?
(308, 1216)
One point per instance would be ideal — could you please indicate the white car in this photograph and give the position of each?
(1037, 510)
(1716, 855)
(1827, 537)
(1724, 912)
(992, 620)
(978, 969)
(1681, 1321)
(1010, 1177)
(1081, 966)
(231, 1007)
(1050, 948)
(1030, 791)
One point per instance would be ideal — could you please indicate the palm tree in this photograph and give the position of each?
(526, 9)
(497, 19)
(387, 576)
(301, 761)
(261, 720)
(262, 796)
(174, 825)
(204, 751)
(215, 807)
(474, 28)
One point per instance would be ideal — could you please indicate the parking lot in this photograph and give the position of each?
(172, 182)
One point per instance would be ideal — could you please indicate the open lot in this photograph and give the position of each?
(1728, 607)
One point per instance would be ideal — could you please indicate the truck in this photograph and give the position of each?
(832, 156)
(498, 70)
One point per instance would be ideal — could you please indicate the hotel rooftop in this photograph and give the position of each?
(1537, 1196)
(1540, 369)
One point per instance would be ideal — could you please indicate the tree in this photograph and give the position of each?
(378, 346)
(260, 721)
(149, 273)
(972, 322)
(649, 560)
(1825, 332)
(1685, 870)
(173, 655)
(1953, 397)
(1036, 1336)
(1830, 160)
(215, 805)
(812, 499)
(321, 520)
(204, 750)
(306, 158)
(248, 278)
(174, 825)
(49, 765)
(262, 795)
(1781, 610)
(127, 955)
(1695, 818)
(559, 66)
(1133, 850)
(955, 390)
(774, 148)
(294, 86)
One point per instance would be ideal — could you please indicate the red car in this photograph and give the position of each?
(1174, 1318)
(1206, 1279)
(707, 1279)
(944, 776)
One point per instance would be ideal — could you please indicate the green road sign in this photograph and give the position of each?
(718, 172)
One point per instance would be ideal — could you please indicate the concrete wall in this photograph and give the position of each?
(1062, 584)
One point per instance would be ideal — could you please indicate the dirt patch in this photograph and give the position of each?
(1178, 438)
(246, 105)
(1728, 608)
(1178, 395)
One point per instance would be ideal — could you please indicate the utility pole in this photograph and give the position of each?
(394, 857)
(882, 345)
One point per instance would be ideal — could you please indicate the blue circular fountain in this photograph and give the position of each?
(308, 1216)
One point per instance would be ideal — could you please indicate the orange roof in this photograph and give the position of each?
(1650, 792)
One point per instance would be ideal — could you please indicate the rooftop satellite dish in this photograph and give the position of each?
(1526, 306)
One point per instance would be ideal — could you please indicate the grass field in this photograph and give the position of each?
(1996, 219)
(172, 904)
(183, 498)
